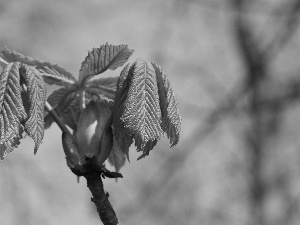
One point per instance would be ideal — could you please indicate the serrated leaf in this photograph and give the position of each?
(142, 115)
(53, 74)
(117, 157)
(103, 87)
(65, 103)
(34, 125)
(171, 121)
(9, 145)
(12, 112)
(103, 58)
(123, 135)
(145, 107)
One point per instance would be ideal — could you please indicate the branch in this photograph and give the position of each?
(100, 198)
(247, 44)
(285, 32)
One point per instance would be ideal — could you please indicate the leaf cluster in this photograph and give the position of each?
(22, 99)
(141, 98)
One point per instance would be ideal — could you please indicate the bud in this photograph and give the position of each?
(94, 133)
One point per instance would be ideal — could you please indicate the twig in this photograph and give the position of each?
(100, 198)
(285, 32)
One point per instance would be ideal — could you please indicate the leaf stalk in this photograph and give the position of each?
(57, 119)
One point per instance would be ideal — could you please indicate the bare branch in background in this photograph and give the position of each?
(285, 31)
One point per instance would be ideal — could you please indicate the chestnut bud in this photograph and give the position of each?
(94, 133)
(94, 136)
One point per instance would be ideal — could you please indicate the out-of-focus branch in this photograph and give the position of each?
(285, 32)
(256, 74)
(248, 46)
(262, 7)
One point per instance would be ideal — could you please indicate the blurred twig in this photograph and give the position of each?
(262, 7)
(285, 31)
(256, 74)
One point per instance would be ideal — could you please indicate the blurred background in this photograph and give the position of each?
(234, 66)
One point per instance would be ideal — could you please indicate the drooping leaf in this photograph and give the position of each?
(103, 58)
(122, 134)
(53, 74)
(34, 125)
(142, 114)
(171, 121)
(103, 87)
(9, 145)
(116, 158)
(12, 112)
(145, 107)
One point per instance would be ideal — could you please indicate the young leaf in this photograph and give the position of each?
(122, 134)
(103, 58)
(171, 121)
(34, 125)
(116, 157)
(145, 107)
(53, 74)
(62, 95)
(142, 114)
(65, 103)
(9, 145)
(103, 87)
(12, 112)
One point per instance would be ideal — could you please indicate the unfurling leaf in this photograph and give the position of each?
(104, 88)
(12, 112)
(171, 121)
(116, 158)
(103, 58)
(34, 125)
(65, 102)
(53, 74)
(145, 107)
